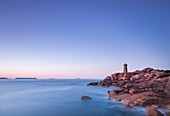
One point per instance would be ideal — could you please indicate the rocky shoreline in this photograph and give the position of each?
(140, 88)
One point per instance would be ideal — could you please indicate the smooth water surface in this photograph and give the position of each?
(55, 97)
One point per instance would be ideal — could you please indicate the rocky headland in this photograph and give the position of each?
(141, 88)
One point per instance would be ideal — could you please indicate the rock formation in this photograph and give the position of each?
(141, 87)
(153, 111)
(86, 98)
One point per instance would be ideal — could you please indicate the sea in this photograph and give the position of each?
(59, 97)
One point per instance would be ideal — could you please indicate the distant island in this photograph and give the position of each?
(26, 78)
(3, 78)
(145, 87)
(52, 78)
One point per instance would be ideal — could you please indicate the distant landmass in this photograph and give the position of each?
(3, 78)
(52, 78)
(26, 78)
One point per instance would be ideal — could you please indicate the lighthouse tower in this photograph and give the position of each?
(125, 71)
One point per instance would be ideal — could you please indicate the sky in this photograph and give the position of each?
(82, 38)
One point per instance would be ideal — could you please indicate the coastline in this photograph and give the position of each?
(145, 88)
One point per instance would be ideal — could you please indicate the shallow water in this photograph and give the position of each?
(59, 98)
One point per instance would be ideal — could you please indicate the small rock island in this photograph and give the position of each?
(141, 88)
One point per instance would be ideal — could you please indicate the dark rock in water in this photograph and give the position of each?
(153, 111)
(93, 84)
(86, 98)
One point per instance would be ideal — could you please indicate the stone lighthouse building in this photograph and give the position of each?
(126, 75)
(125, 71)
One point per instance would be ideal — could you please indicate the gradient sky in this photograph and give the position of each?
(82, 38)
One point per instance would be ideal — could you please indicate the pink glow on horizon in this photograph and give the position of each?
(48, 75)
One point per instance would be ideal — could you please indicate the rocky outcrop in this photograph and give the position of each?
(86, 98)
(167, 87)
(153, 111)
(142, 87)
(167, 113)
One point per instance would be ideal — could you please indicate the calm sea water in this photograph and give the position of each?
(59, 98)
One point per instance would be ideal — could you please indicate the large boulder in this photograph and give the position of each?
(113, 92)
(141, 99)
(167, 113)
(147, 70)
(135, 77)
(115, 76)
(160, 74)
(167, 87)
(157, 87)
(121, 97)
(153, 111)
(145, 85)
(134, 90)
(149, 75)
(93, 84)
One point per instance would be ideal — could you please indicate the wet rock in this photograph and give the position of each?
(86, 98)
(120, 97)
(113, 92)
(93, 84)
(153, 111)
(141, 99)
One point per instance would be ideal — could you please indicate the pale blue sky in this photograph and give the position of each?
(82, 38)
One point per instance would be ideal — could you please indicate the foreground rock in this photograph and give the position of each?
(86, 98)
(167, 113)
(141, 87)
(153, 111)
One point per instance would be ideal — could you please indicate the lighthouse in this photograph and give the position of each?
(125, 71)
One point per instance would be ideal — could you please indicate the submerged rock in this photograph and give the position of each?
(86, 98)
